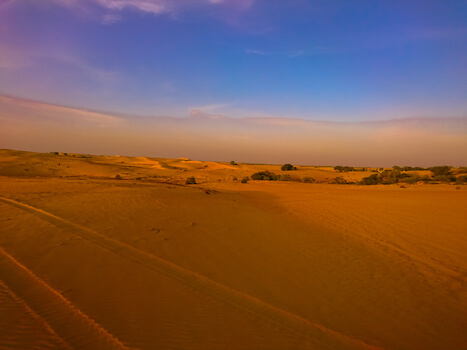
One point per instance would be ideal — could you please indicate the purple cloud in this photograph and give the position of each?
(155, 7)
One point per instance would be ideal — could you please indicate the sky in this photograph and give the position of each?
(165, 63)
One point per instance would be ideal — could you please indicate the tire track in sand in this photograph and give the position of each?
(59, 315)
(317, 334)
(10, 340)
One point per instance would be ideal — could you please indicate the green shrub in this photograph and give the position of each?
(191, 180)
(308, 179)
(232, 162)
(344, 169)
(118, 177)
(444, 178)
(245, 180)
(370, 180)
(265, 176)
(440, 170)
(339, 180)
(287, 167)
(388, 177)
(425, 178)
(462, 178)
(410, 179)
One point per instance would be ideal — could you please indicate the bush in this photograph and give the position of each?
(393, 176)
(234, 179)
(308, 179)
(191, 180)
(232, 162)
(444, 178)
(440, 170)
(462, 178)
(339, 180)
(410, 179)
(287, 167)
(344, 169)
(265, 176)
(245, 180)
(370, 180)
(286, 177)
(425, 178)
(118, 177)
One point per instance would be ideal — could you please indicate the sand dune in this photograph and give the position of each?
(148, 262)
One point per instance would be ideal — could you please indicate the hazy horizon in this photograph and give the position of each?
(35, 126)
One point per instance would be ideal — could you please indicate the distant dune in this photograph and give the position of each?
(89, 259)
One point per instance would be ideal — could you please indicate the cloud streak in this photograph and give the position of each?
(12, 58)
(42, 127)
(155, 7)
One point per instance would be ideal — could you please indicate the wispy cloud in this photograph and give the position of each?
(151, 6)
(212, 108)
(293, 52)
(155, 7)
(257, 52)
(418, 141)
(110, 18)
(98, 74)
(14, 58)
(27, 110)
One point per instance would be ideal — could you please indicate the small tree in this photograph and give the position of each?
(339, 180)
(440, 170)
(370, 180)
(191, 181)
(265, 176)
(288, 167)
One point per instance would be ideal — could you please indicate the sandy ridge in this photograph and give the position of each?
(32, 315)
(316, 334)
(61, 316)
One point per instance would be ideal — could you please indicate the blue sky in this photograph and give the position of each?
(318, 60)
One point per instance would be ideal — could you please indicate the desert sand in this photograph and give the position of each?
(144, 261)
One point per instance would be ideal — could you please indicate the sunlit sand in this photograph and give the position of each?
(115, 252)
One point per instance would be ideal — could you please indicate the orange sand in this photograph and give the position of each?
(88, 261)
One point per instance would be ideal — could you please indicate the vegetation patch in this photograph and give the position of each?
(190, 181)
(265, 176)
(288, 167)
(339, 180)
(395, 175)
